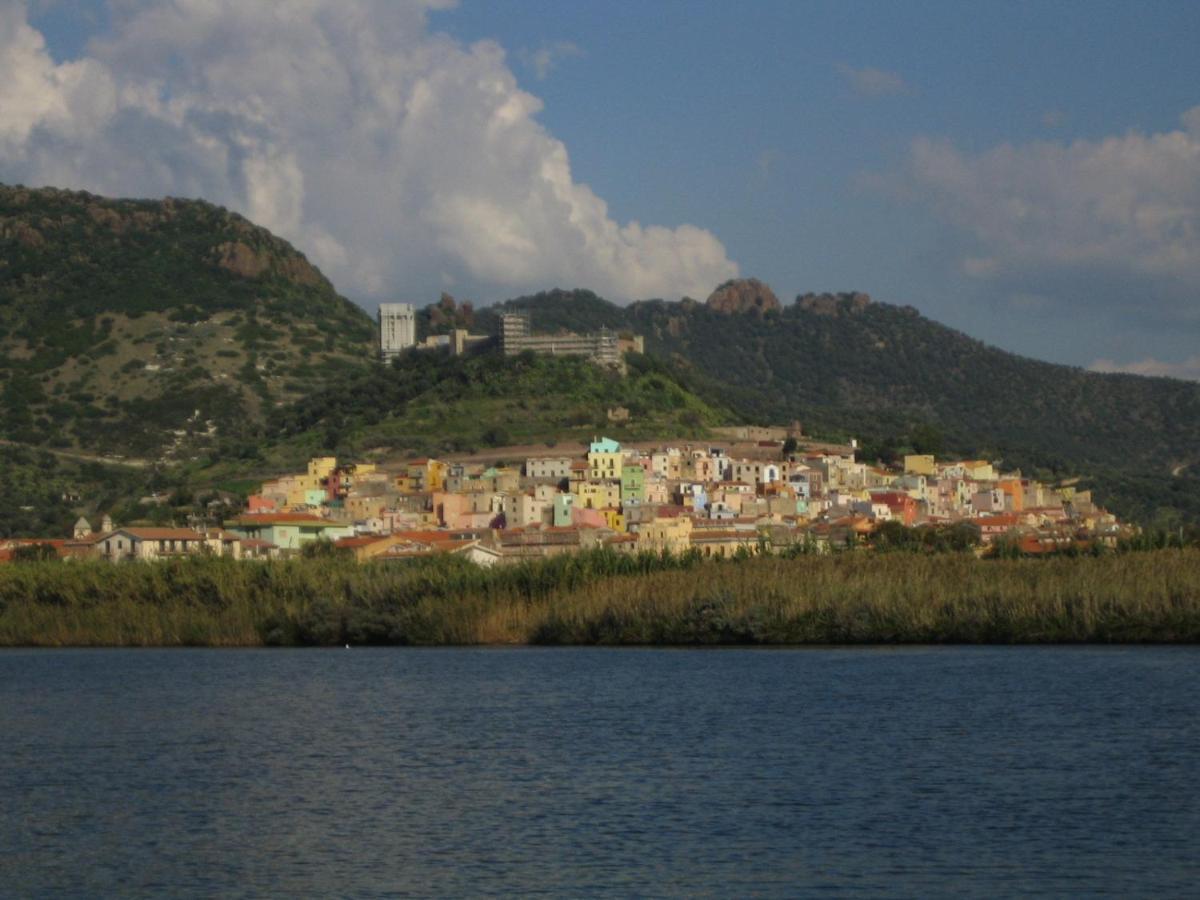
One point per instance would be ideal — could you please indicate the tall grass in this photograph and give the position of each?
(602, 598)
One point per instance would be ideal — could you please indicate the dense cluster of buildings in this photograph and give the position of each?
(744, 497)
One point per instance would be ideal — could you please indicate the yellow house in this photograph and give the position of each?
(614, 520)
(919, 464)
(604, 460)
(425, 475)
(320, 467)
(364, 507)
(724, 543)
(672, 535)
(300, 488)
(978, 469)
(598, 496)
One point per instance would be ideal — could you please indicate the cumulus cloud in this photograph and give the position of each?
(873, 82)
(1126, 207)
(397, 158)
(1188, 369)
(546, 58)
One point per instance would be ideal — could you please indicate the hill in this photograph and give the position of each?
(847, 366)
(428, 403)
(156, 327)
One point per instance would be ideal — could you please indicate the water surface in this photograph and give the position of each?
(579, 772)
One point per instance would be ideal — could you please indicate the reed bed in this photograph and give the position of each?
(601, 598)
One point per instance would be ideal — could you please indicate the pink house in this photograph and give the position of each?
(260, 504)
(588, 518)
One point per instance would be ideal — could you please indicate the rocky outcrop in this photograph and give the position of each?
(834, 304)
(743, 295)
(241, 259)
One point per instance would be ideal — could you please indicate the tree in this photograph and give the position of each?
(34, 553)
(926, 438)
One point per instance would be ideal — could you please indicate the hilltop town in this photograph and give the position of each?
(762, 490)
(759, 490)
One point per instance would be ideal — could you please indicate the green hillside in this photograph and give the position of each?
(846, 366)
(152, 328)
(428, 403)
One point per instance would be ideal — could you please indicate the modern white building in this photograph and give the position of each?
(397, 328)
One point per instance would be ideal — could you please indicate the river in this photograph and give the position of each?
(600, 772)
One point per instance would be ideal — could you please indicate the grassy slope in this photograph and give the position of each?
(42, 493)
(427, 403)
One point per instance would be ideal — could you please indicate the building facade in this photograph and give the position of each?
(516, 336)
(397, 328)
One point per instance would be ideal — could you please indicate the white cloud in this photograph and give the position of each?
(872, 82)
(1188, 369)
(1127, 206)
(546, 58)
(397, 158)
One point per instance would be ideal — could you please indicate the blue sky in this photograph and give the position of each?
(1021, 171)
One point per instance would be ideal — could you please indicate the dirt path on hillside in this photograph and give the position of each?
(83, 457)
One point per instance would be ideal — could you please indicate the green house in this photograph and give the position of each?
(289, 531)
(633, 483)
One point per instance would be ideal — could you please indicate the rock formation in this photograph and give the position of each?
(743, 295)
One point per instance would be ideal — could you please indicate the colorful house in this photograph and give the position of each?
(289, 531)
(633, 483)
(672, 535)
(598, 496)
(563, 505)
(604, 460)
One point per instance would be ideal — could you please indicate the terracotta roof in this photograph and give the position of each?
(361, 541)
(892, 498)
(1009, 519)
(439, 537)
(13, 543)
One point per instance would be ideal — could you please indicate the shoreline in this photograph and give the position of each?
(602, 599)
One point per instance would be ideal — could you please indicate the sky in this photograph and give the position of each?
(1026, 172)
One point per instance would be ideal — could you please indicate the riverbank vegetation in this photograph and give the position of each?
(602, 598)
